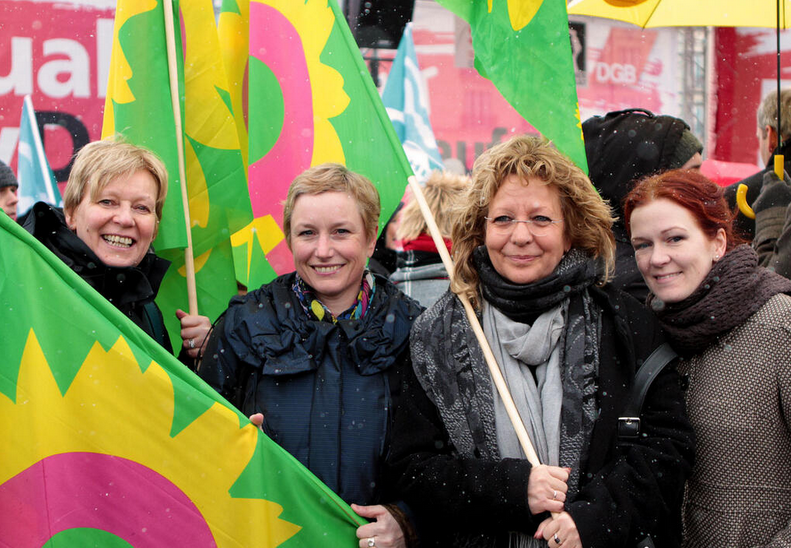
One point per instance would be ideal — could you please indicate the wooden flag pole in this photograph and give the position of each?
(189, 261)
(494, 369)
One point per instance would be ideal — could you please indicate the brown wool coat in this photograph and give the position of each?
(739, 402)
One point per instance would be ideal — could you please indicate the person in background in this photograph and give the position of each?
(383, 260)
(420, 272)
(769, 196)
(533, 250)
(730, 320)
(623, 147)
(8, 191)
(769, 208)
(112, 206)
(316, 357)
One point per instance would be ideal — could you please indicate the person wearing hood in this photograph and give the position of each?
(8, 191)
(623, 147)
(420, 272)
(112, 207)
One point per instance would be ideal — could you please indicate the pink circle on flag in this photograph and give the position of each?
(271, 176)
(93, 490)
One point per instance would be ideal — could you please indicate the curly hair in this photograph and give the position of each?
(587, 217)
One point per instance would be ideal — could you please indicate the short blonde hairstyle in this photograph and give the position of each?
(587, 218)
(334, 178)
(100, 163)
(442, 192)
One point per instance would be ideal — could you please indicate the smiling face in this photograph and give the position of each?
(120, 222)
(673, 253)
(330, 247)
(516, 253)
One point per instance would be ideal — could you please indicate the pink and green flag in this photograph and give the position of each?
(311, 100)
(524, 48)
(107, 440)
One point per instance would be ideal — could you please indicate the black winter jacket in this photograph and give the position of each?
(626, 491)
(326, 390)
(131, 289)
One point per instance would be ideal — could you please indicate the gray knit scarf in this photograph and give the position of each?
(579, 349)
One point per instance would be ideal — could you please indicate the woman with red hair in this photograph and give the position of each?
(730, 320)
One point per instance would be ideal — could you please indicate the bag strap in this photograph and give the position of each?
(629, 422)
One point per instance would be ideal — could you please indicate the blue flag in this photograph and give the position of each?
(36, 180)
(406, 99)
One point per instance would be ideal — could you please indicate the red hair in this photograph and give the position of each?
(694, 192)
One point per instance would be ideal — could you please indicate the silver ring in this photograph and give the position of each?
(554, 495)
(192, 344)
(557, 540)
(371, 542)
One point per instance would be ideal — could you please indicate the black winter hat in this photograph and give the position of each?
(627, 145)
(7, 177)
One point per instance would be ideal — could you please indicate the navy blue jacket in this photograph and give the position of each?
(326, 390)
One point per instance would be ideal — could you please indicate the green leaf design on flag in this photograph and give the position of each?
(523, 47)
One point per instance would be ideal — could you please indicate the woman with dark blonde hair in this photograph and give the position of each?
(533, 251)
(112, 207)
(730, 320)
(316, 357)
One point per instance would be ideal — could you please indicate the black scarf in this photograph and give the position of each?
(734, 289)
(580, 355)
(522, 303)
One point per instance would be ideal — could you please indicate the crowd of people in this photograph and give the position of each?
(630, 323)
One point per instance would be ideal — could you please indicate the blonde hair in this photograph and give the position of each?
(334, 178)
(100, 163)
(442, 192)
(587, 219)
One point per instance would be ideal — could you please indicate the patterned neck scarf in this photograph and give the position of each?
(315, 309)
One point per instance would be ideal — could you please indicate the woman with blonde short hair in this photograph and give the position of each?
(316, 357)
(533, 252)
(112, 207)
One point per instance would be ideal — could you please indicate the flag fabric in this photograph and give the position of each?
(107, 440)
(232, 26)
(405, 98)
(216, 174)
(138, 104)
(216, 177)
(36, 180)
(524, 48)
(311, 100)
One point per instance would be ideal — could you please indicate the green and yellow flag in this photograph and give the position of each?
(138, 104)
(310, 100)
(216, 173)
(216, 176)
(523, 47)
(107, 440)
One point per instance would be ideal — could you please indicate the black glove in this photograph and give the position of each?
(774, 192)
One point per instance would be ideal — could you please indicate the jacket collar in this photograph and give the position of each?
(119, 285)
